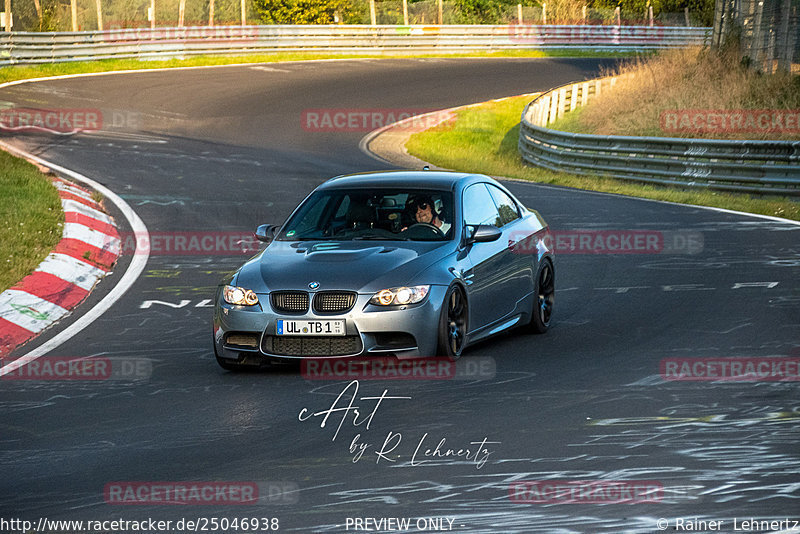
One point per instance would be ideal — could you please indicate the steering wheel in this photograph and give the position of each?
(436, 231)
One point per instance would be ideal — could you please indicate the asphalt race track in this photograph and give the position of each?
(223, 150)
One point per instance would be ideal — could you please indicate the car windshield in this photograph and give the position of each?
(372, 214)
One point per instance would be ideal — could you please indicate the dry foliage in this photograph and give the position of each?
(689, 79)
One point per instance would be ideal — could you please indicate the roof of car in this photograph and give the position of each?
(406, 179)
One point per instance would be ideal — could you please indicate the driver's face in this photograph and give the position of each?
(424, 215)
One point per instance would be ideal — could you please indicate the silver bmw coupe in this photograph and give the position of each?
(403, 263)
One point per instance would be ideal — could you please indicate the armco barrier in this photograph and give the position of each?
(144, 43)
(742, 166)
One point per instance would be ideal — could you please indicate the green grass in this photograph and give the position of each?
(484, 139)
(21, 72)
(30, 219)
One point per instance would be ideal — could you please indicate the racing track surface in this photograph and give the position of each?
(216, 150)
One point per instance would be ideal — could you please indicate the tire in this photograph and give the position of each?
(544, 297)
(453, 323)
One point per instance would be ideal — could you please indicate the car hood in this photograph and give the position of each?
(362, 266)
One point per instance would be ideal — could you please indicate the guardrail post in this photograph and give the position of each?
(8, 16)
(543, 111)
(573, 100)
(73, 9)
(584, 93)
(553, 108)
(99, 15)
(562, 102)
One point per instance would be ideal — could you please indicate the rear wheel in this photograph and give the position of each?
(544, 292)
(453, 323)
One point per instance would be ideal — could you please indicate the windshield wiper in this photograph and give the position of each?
(379, 238)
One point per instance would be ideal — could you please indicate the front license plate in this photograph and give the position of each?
(290, 327)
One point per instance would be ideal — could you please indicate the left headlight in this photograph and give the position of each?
(398, 296)
(239, 296)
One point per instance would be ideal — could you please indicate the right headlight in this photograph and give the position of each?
(398, 296)
(239, 296)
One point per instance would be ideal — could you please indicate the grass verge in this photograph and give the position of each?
(31, 219)
(21, 72)
(484, 139)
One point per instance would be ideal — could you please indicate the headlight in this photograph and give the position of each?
(239, 296)
(397, 296)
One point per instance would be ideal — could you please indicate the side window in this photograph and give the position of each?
(505, 205)
(343, 207)
(479, 208)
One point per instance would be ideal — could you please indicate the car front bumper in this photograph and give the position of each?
(247, 334)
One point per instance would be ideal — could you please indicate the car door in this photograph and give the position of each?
(490, 278)
(516, 235)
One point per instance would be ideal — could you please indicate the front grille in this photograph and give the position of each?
(311, 346)
(333, 301)
(290, 301)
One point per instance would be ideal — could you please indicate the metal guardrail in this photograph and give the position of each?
(36, 47)
(730, 165)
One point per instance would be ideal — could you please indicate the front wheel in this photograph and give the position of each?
(453, 323)
(544, 293)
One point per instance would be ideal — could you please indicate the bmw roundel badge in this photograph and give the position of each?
(313, 285)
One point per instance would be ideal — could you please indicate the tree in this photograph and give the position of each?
(308, 11)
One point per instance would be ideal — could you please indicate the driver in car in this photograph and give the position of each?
(424, 212)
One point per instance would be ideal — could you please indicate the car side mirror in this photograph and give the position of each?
(484, 233)
(266, 232)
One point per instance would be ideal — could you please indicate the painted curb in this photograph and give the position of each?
(89, 247)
